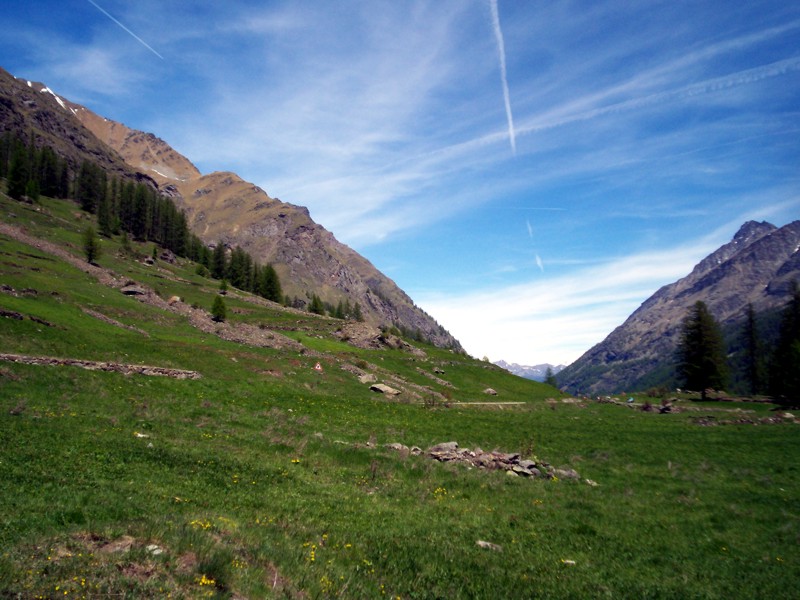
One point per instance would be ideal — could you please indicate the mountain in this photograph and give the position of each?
(536, 372)
(756, 267)
(220, 207)
(30, 108)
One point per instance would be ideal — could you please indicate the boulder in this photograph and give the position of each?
(489, 546)
(382, 388)
(133, 290)
(397, 446)
(566, 474)
(490, 392)
(444, 447)
(368, 378)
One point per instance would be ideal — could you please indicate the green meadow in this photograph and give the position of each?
(268, 478)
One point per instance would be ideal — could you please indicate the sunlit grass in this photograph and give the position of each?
(268, 478)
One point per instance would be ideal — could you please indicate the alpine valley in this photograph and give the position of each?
(165, 436)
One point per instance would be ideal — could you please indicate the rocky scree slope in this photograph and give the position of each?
(757, 267)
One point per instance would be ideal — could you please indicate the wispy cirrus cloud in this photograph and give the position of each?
(501, 52)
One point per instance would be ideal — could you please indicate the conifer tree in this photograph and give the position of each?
(357, 315)
(785, 369)
(316, 306)
(218, 310)
(219, 264)
(91, 245)
(753, 367)
(701, 354)
(269, 285)
(550, 378)
(18, 172)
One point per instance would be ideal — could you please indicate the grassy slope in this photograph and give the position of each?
(243, 478)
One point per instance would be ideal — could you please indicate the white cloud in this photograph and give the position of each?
(558, 318)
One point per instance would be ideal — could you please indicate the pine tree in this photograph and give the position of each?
(785, 368)
(18, 172)
(753, 367)
(316, 306)
(357, 315)
(219, 263)
(218, 310)
(549, 377)
(269, 285)
(91, 245)
(701, 354)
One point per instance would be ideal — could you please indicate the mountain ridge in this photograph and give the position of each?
(756, 267)
(533, 372)
(221, 207)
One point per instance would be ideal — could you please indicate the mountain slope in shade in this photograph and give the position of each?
(220, 207)
(758, 266)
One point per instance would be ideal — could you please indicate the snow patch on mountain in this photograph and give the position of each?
(536, 372)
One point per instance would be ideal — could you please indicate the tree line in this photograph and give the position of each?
(32, 171)
(139, 211)
(702, 359)
(128, 208)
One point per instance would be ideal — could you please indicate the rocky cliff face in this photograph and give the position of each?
(220, 207)
(757, 267)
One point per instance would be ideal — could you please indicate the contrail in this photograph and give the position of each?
(136, 37)
(501, 50)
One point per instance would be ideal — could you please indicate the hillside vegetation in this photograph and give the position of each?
(261, 467)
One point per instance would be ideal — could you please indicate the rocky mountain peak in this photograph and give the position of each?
(751, 231)
(756, 267)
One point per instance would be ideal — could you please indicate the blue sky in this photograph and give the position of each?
(528, 171)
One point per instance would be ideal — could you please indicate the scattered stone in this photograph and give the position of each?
(93, 365)
(490, 392)
(382, 388)
(489, 546)
(154, 549)
(571, 474)
(507, 461)
(123, 544)
(398, 447)
(591, 483)
(174, 300)
(368, 378)
(133, 290)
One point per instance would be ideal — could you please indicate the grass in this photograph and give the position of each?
(267, 478)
